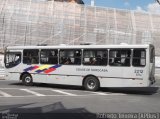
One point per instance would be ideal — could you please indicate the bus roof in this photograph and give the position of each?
(77, 47)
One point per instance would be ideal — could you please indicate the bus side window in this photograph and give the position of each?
(53, 57)
(49, 56)
(26, 58)
(70, 57)
(95, 57)
(126, 57)
(89, 57)
(139, 57)
(77, 60)
(114, 58)
(30, 56)
(104, 59)
(120, 57)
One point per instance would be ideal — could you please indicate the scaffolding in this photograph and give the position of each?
(25, 22)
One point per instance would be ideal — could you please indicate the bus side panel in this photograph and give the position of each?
(12, 76)
(38, 78)
(115, 82)
(13, 73)
(66, 80)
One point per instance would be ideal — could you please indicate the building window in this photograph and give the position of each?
(119, 57)
(49, 56)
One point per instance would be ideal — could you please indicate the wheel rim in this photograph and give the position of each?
(91, 84)
(28, 79)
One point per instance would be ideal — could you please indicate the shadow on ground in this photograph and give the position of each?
(52, 111)
(134, 90)
(126, 90)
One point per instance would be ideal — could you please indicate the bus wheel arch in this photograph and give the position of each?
(26, 79)
(91, 83)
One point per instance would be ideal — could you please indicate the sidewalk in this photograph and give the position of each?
(1, 78)
(157, 76)
(157, 73)
(2, 73)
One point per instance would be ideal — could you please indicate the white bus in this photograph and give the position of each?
(91, 66)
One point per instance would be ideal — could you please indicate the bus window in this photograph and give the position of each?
(139, 57)
(12, 59)
(119, 57)
(70, 57)
(95, 57)
(31, 56)
(49, 56)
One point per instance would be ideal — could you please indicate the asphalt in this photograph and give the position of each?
(48, 101)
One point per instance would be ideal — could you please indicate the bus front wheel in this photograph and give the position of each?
(91, 83)
(27, 80)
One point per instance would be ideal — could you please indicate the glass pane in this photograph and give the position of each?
(49, 56)
(139, 57)
(95, 57)
(30, 56)
(70, 57)
(12, 59)
(120, 57)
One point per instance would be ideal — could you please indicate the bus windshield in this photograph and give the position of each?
(12, 59)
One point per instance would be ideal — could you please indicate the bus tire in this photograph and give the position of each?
(27, 80)
(91, 83)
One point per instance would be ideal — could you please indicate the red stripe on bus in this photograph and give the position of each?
(49, 70)
(35, 67)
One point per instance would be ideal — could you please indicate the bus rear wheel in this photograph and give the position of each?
(27, 80)
(91, 83)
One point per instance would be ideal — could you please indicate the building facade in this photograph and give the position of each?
(23, 22)
(73, 1)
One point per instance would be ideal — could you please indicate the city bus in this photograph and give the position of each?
(90, 66)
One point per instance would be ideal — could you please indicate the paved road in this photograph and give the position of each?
(43, 98)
